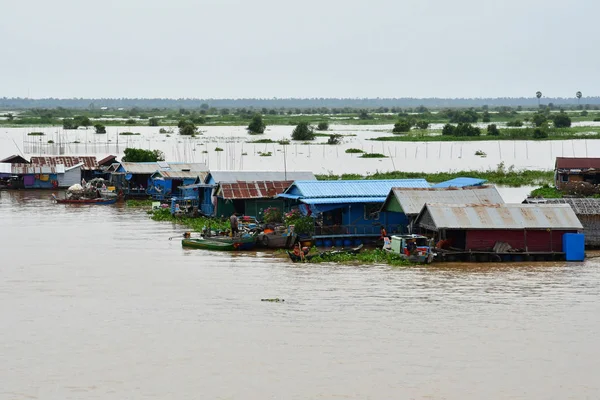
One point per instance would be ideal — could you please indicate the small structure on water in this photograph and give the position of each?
(15, 159)
(349, 209)
(576, 169)
(36, 176)
(89, 168)
(498, 232)
(410, 201)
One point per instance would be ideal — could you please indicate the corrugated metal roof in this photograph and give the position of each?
(180, 174)
(353, 188)
(413, 200)
(107, 160)
(251, 176)
(252, 190)
(152, 167)
(27, 169)
(89, 162)
(343, 200)
(577, 163)
(581, 206)
(460, 182)
(502, 216)
(14, 159)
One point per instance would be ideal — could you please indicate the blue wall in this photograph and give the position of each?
(353, 216)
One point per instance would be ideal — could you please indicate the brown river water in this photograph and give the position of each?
(97, 303)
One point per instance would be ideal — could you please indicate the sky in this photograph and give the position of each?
(309, 48)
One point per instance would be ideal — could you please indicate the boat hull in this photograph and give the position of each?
(244, 243)
(98, 201)
(274, 241)
(207, 244)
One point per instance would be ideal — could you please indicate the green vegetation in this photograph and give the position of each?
(256, 126)
(153, 121)
(262, 141)
(129, 133)
(402, 126)
(50, 141)
(547, 191)
(492, 130)
(35, 134)
(187, 128)
(303, 131)
(500, 176)
(376, 256)
(218, 149)
(266, 154)
(196, 224)
(334, 139)
(373, 155)
(354, 151)
(100, 128)
(140, 155)
(138, 203)
(322, 126)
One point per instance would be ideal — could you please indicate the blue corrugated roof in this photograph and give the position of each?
(352, 188)
(343, 200)
(460, 182)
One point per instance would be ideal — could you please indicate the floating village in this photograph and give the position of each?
(463, 219)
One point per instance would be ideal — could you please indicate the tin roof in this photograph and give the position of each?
(252, 190)
(580, 206)
(500, 216)
(577, 163)
(107, 161)
(252, 176)
(152, 167)
(352, 188)
(343, 200)
(89, 162)
(28, 169)
(460, 182)
(14, 159)
(412, 200)
(180, 174)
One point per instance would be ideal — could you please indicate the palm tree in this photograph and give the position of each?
(578, 95)
(538, 94)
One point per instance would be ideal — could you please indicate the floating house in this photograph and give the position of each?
(470, 229)
(135, 178)
(165, 184)
(350, 208)
(89, 168)
(410, 201)
(246, 192)
(35, 176)
(575, 169)
(587, 211)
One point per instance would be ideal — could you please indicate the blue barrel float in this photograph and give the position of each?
(339, 242)
(347, 243)
(328, 243)
(319, 243)
(357, 242)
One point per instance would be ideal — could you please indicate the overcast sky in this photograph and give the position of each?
(309, 48)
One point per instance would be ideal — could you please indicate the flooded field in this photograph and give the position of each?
(238, 154)
(97, 303)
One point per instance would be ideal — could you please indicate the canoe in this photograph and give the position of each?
(207, 244)
(324, 254)
(98, 201)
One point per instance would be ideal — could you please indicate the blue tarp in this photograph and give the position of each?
(460, 182)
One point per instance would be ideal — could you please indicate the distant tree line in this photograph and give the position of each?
(275, 103)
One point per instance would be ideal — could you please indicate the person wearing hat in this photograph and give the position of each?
(233, 220)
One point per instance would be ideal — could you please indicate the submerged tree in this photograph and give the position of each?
(257, 126)
(141, 155)
(538, 94)
(100, 128)
(578, 95)
(303, 131)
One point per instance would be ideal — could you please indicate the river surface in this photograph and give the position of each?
(97, 303)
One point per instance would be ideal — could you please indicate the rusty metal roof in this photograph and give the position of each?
(577, 163)
(500, 216)
(152, 167)
(412, 200)
(89, 162)
(580, 206)
(108, 160)
(28, 169)
(252, 176)
(252, 190)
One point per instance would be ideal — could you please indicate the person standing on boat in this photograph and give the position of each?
(233, 220)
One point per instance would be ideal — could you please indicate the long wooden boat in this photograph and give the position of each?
(276, 241)
(239, 243)
(324, 254)
(207, 244)
(98, 201)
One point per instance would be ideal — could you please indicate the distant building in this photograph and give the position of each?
(576, 169)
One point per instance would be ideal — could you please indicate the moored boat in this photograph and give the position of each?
(98, 201)
(246, 242)
(415, 248)
(207, 244)
(276, 240)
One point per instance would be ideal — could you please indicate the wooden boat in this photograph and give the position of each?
(324, 254)
(276, 240)
(98, 201)
(414, 248)
(208, 244)
(239, 243)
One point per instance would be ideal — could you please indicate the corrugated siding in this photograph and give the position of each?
(413, 200)
(533, 240)
(577, 163)
(343, 200)
(504, 216)
(69, 178)
(89, 162)
(26, 169)
(180, 174)
(353, 188)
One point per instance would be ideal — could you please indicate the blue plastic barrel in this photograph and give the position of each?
(319, 243)
(339, 242)
(357, 242)
(574, 246)
(328, 243)
(347, 243)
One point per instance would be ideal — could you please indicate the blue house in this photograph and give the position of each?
(350, 209)
(166, 184)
